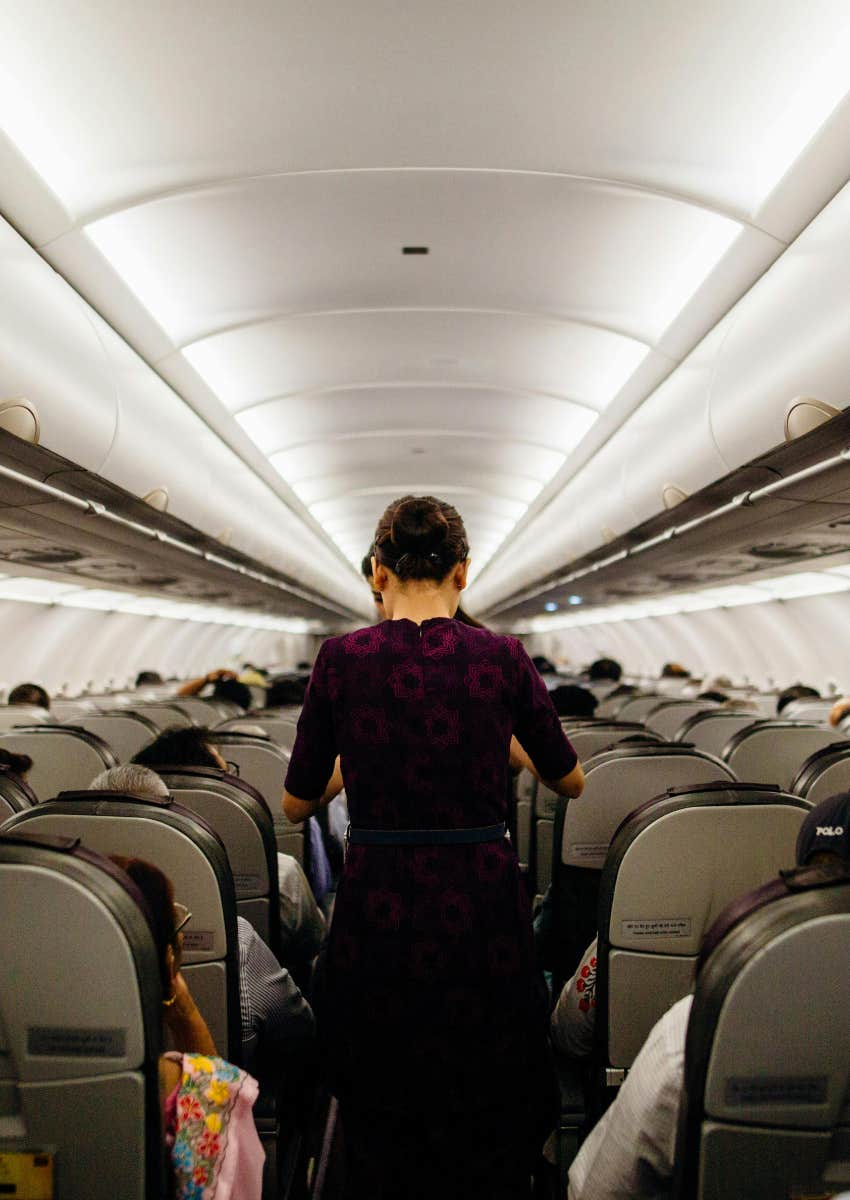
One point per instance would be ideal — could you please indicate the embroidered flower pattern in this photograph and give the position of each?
(586, 985)
(484, 681)
(442, 726)
(438, 641)
(363, 642)
(208, 1089)
(407, 682)
(384, 909)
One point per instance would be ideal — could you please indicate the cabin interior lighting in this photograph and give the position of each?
(49, 592)
(551, 606)
(783, 587)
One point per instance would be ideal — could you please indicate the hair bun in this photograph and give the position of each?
(418, 526)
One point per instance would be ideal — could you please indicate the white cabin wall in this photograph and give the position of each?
(777, 643)
(73, 650)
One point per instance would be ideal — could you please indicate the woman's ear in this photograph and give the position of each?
(380, 575)
(460, 573)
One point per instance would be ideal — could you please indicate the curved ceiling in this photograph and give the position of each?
(233, 186)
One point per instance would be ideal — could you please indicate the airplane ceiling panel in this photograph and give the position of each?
(596, 184)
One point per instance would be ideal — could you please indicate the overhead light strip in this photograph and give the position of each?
(744, 499)
(96, 509)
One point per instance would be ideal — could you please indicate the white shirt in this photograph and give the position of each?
(575, 1013)
(629, 1153)
(302, 926)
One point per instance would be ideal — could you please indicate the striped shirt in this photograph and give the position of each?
(629, 1153)
(274, 1013)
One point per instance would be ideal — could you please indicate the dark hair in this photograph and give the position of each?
(798, 692)
(543, 664)
(420, 537)
(284, 693)
(674, 671)
(466, 619)
(144, 677)
(720, 697)
(29, 693)
(604, 668)
(179, 747)
(158, 891)
(573, 701)
(19, 764)
(366, 566)
(234, 691)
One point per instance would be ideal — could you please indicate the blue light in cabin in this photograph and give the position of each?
(574, 600)
(551, 606)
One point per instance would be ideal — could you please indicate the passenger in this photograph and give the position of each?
(18, 764)
(711, 694)
(544, 665)
(630, 1151)
(839, 710)
(274, 1013)
(148, 678)
(225, 687)
(252, 676)
(31, 694)
(799, 691)
(604, 669)
(302, 926)
(672, 670)
(286, 693)
(573, 701)
(206, 1102)
(432, 1021)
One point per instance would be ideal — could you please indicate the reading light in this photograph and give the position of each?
(574, 600)
(551, 606)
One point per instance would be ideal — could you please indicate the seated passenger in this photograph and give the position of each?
(225, 686)
(799, 691)
(573, 701)
(839, 710)
(31, 694)
(148, 678)
(206, 1103)
(18, 764)
(274, 1013)
(711, 694)
(630, 1151)
(672, 670)
(286, 693)
(302, 926)
(603, 670)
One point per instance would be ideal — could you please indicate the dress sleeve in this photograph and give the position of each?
(536, 726)
(315, 748)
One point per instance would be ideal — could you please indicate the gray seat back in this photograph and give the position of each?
(24, 714)
(774, 751)
(588, 739)
(824, 773)
(239, 816)
(264, 766)
(808, 709)
(619, 781)
(711, 730)
(766, 1098)
(63, 756)
(183, 846)
(636, 707)
(163, 716)
(653, 911)
(200, 710)
(15, 794)
(126, 733)
(80, 1020)
(668, 717)
(281, 730)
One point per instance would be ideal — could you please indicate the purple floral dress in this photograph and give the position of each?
(430, 1013)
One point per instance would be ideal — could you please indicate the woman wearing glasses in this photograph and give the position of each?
(206, 1102)
(431, 1019)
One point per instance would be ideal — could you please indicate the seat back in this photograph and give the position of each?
(162, 715)
(617, 782)
(200, 710)
(24, 714)
(264, 766)
(281, 730)
(668, 717)
(63, 756)
(673, 865)
(238, 814)
(711, 729)
(589, 738)
(183, 846)
(808, 708)
(824, 773)
(80, 1020)
(767, 1061)
(126, 733)
(15, 794)
(774, 751)
(636, 707)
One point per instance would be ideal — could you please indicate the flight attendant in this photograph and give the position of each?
(432, 1021)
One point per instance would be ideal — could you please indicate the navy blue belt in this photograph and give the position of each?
(426, 837)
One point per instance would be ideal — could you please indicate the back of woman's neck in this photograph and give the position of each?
(420, 608)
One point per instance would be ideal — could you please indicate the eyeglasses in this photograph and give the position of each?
(233, 769)
(182, 917)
